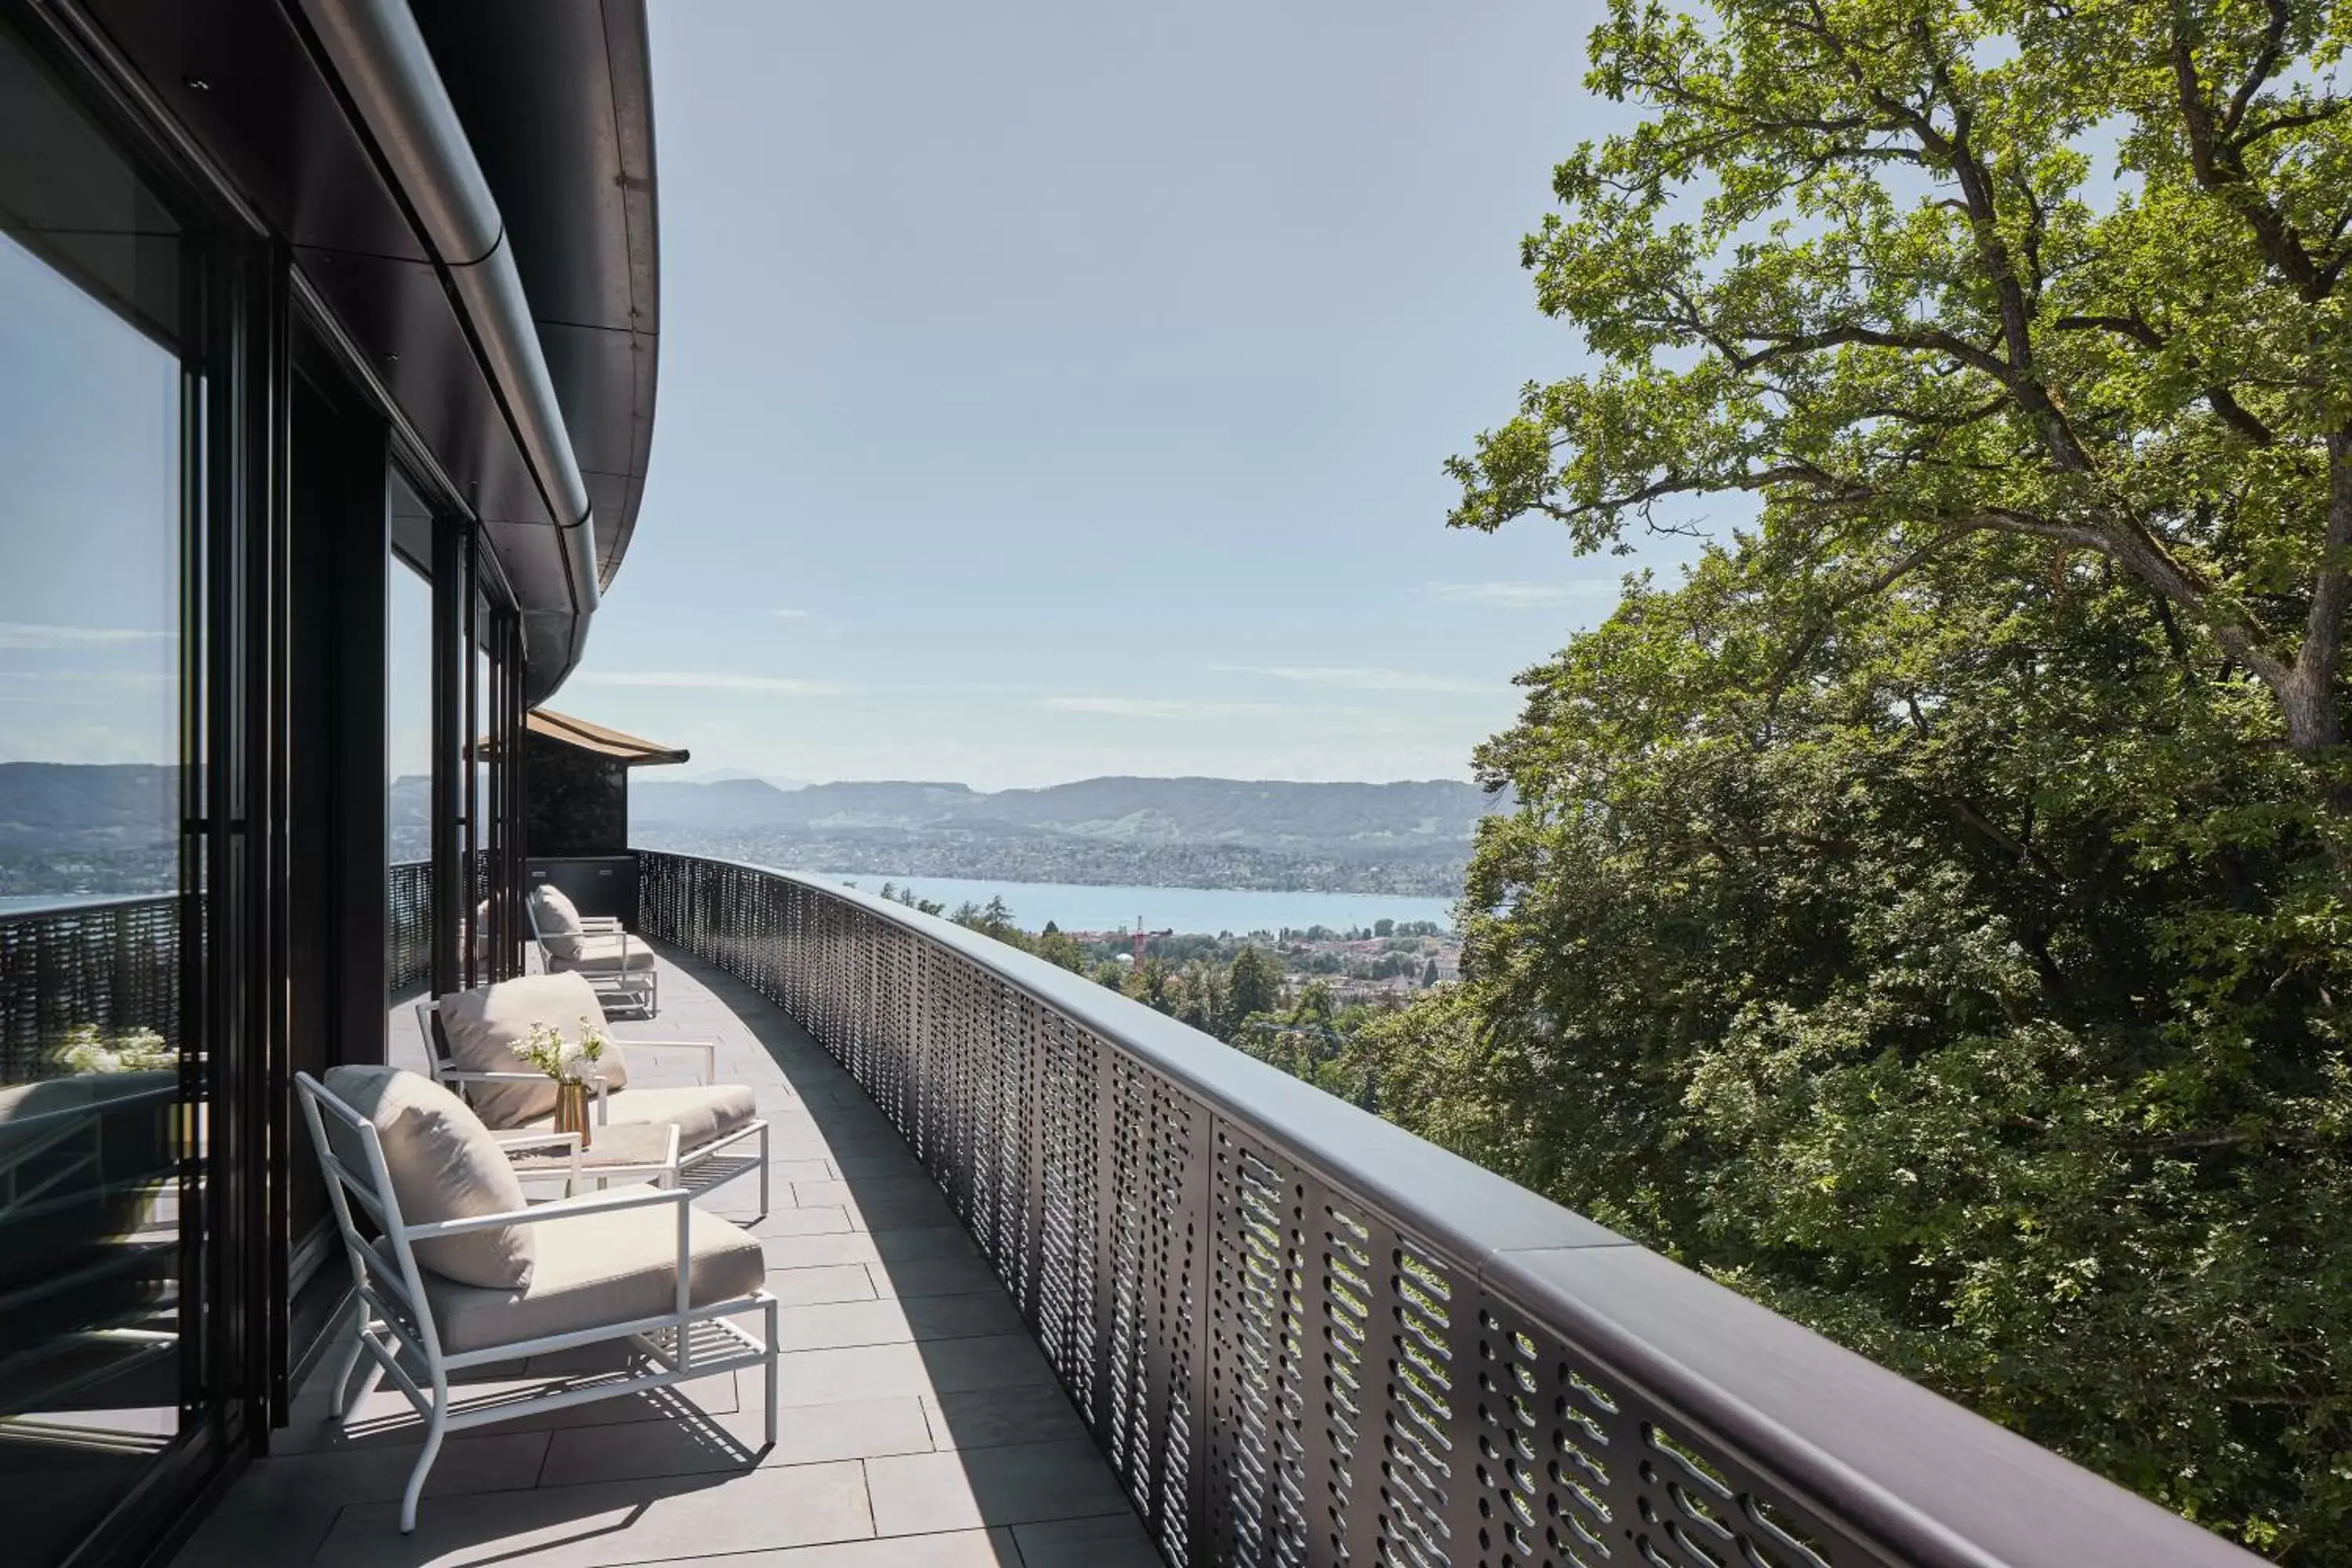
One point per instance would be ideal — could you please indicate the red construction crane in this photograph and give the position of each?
(1141, 936)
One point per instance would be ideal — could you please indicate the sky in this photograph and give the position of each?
(1047, 389)
(1051, 389)
(90, 477)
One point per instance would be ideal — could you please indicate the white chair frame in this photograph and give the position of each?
(394, 1314)
(639, 988)
(450, 1076)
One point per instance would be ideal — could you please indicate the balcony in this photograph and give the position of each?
(1069, 1282)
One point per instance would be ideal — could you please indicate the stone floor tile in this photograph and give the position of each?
(805, 1287)
(962, 1316)
(782, 1172)
(885, 1322)
(780, 1221)
(865, 1189)
(386, 1419)
(934, 1275)
(491, 1462)
(924, 1241)
(1108, 1541)
(247, 1538)
(956, 1548)
(853, 1165)
(832, 1325)
(643, 1450)
(1012, 1485)
(994, 1417)
(613, 1523)
(993, 1360)
(822, 1251)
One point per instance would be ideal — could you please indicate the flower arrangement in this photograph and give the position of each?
(545, 1047)
(84, 1050)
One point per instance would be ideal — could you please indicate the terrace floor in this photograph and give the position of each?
(921, 1425)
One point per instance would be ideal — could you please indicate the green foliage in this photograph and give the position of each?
(1918, 274)
(1975, 993)
(1311, 1041)
(1252, 985)
(1930, 918)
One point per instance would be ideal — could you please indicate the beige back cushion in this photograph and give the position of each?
(444, 1166)
(483, 1027)
(557, 920)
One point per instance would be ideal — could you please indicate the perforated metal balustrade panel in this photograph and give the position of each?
(1286, 1368)
(113, 966)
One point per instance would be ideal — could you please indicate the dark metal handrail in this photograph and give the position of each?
(1303, 1336)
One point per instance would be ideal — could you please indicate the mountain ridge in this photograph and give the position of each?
(99, 824)
(1408, 835)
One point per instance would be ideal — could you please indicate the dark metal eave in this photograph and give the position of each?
(557, 99)
(555, 104)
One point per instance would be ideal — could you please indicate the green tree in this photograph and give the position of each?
(1252, 985)
(1929, 917)
(1151, 984)
(1056, 947)
(1867, 261)
(1964, 995)
(1199, 997)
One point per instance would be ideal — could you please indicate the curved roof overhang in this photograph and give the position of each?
(468, 191)
(556, 96)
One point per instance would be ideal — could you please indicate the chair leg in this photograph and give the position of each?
(432, 1428)
(763, 1172)
(347, 1362)
(771, 1374)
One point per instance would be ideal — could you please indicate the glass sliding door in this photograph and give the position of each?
(102, 1123)
(409, 654)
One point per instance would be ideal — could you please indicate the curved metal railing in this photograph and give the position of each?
(1303, 1336)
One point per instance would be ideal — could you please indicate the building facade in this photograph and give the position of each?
(327, 363)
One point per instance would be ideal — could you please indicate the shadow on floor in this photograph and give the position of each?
(920, 1423)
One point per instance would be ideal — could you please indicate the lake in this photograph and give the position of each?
(18, 903)
(1078, 907)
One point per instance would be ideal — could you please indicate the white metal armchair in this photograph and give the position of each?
(713, 1119)
(619, 966)
(638, 1266)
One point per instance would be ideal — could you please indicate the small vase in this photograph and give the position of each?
(572, 1110)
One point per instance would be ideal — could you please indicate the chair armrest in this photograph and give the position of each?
(468, 1074)
(561, 1208)
(512, 1141)
(708, 1049)
(604, 925)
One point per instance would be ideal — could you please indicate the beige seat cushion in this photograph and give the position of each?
(605, 956)
(700, 1115)
(483, 1027)
(444, 1166)
(556, 919)
(598, 1270)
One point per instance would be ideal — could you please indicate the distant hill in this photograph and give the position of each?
(87, 805)
(1411, 836)
(66, 826)
(1264, 814)
(94, 828)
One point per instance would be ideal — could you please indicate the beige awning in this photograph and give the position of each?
(630, 749)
